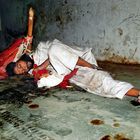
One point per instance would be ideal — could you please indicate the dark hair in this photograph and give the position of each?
(10, 66)
(10, 69)
(27, 58)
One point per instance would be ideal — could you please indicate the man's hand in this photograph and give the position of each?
(29, 39)
(28, 45)
(39, 73)
(97, 67)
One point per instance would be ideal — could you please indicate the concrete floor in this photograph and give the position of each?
(72, 114)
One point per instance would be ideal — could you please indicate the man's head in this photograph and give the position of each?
(22, 66)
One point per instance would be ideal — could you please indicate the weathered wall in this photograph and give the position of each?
(14, 19)
(110, 27)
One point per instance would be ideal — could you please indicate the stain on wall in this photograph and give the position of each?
(111, 28)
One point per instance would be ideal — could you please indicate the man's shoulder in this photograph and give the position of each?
(44, 44)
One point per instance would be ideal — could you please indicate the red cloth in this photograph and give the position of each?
(8, 56)
(39, 72)
(63, 84)
(65, 81)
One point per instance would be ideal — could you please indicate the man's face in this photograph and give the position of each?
(22, 67)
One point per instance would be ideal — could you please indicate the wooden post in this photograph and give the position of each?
(30, 22)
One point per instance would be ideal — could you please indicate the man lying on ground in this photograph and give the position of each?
(59, 60)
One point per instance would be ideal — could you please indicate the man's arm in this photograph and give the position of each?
(41, 70)
(44, 65)
(83, 63)
(30, 30)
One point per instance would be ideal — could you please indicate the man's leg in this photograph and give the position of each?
(136, 93)
(84, 63)
(133, 92)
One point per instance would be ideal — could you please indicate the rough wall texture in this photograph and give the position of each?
(13, 18)
(110, 27)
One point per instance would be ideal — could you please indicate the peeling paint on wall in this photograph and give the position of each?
(111, 28)
(102, 25)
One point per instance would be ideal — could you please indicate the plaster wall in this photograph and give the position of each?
(0, 23)
(110, 27)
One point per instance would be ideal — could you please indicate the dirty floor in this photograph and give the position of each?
(27, 113)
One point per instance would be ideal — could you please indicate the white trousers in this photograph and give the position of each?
(64, 58)
(100, 83)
